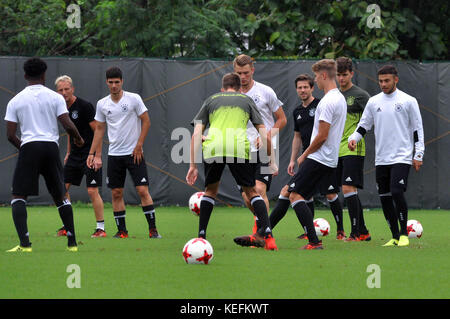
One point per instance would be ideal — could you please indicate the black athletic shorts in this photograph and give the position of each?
(350, 171)
(38, 158)
(330, 183)
(309, 177)
(242, 170)
(117, 171)
(391, 178)
(76, 168)
(261, 170)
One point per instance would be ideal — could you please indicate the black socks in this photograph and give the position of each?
(206, 207)
(19, 214)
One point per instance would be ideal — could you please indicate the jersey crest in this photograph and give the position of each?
(350, 100)
(75, 115)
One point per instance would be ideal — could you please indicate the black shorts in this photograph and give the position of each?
(392, 178)
(117, 171)
(330, 183)
(309, 177)
(38, 158)
(242, 170)
(76, 168)
(261, 169)
(350, 171)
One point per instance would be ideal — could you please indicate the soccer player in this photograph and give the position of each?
(227, 114)
(350, 168)
(36, 110)
(82, 115)
(128, 122)
(398, 130)
(269, 106)
(318, 161)
(303, 116)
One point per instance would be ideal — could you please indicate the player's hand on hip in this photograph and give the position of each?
(352, 145)
(417, 164)
(191, 176)
(290, 168)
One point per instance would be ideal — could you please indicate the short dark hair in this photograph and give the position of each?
(113, 72)
(34, 68)
(304, 77)
(231, 80)
(388, 69)
(344, 64)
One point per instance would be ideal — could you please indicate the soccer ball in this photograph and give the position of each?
(198, 251)
(322, 226)
(414, 229)
(194, 203)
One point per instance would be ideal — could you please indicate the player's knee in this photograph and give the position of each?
(331, 197)
(397, 192)
(284, 191)
(348, 189)
(260, 188)
(142, 192)
(117, 194)
(92, 192)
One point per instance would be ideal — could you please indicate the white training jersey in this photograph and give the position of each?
(36, 109)
(332, 109)
(122, 120)
(398, 128)
(267, 103)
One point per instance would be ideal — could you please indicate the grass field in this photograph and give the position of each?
(139, 267)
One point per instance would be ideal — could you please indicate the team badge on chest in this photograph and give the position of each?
(75, 115)
(398, 107)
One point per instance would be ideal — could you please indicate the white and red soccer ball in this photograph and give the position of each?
(194, 203)
(322, 226)
(198, 251)
(414, 228)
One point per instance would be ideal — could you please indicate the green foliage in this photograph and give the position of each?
(223, 28)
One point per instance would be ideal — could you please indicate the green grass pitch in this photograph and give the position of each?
(139, 267)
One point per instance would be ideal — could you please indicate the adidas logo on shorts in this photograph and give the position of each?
(349, 179)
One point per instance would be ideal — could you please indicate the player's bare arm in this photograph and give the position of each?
(93, 125)
(196, 142)
(138, 152)
(296, 144)
(68, 150)
(318, 141)
(279, 123)
(11, 129)
(71, 129)
(92, 161)
(267, 141)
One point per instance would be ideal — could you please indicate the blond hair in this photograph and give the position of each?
(64, 78)
(327, 65)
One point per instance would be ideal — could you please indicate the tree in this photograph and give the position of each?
(405, 29)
